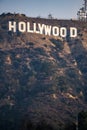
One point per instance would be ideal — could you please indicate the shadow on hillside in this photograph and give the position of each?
(79, 53)
(43, 125)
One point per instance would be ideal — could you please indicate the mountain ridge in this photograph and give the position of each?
(42, 76)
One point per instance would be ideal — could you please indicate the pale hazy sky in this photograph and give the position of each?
(33, 8)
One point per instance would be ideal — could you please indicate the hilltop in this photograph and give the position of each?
(42, 77)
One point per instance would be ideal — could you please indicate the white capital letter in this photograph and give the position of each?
(47, 30)
(35, 28)
(63, 32)
(28, 28)
(41, 28)
(55, 31)
(22, 26)
(73, 32)
(12, 26)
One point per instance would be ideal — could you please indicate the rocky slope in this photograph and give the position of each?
(42, 77)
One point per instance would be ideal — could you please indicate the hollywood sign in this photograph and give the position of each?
(42, 29)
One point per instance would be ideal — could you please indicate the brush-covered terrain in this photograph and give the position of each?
(42, 78)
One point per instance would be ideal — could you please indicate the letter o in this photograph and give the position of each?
(55, 31)
(63, 32)
(22, 26)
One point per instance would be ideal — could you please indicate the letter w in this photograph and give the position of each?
(47, 30)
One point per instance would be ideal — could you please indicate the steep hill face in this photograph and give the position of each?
(43, 77)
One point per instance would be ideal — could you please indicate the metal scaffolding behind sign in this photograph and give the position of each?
(82, 13)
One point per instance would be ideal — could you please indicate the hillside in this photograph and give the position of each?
(42, 77)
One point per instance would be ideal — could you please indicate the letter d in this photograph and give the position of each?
(73, 32)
